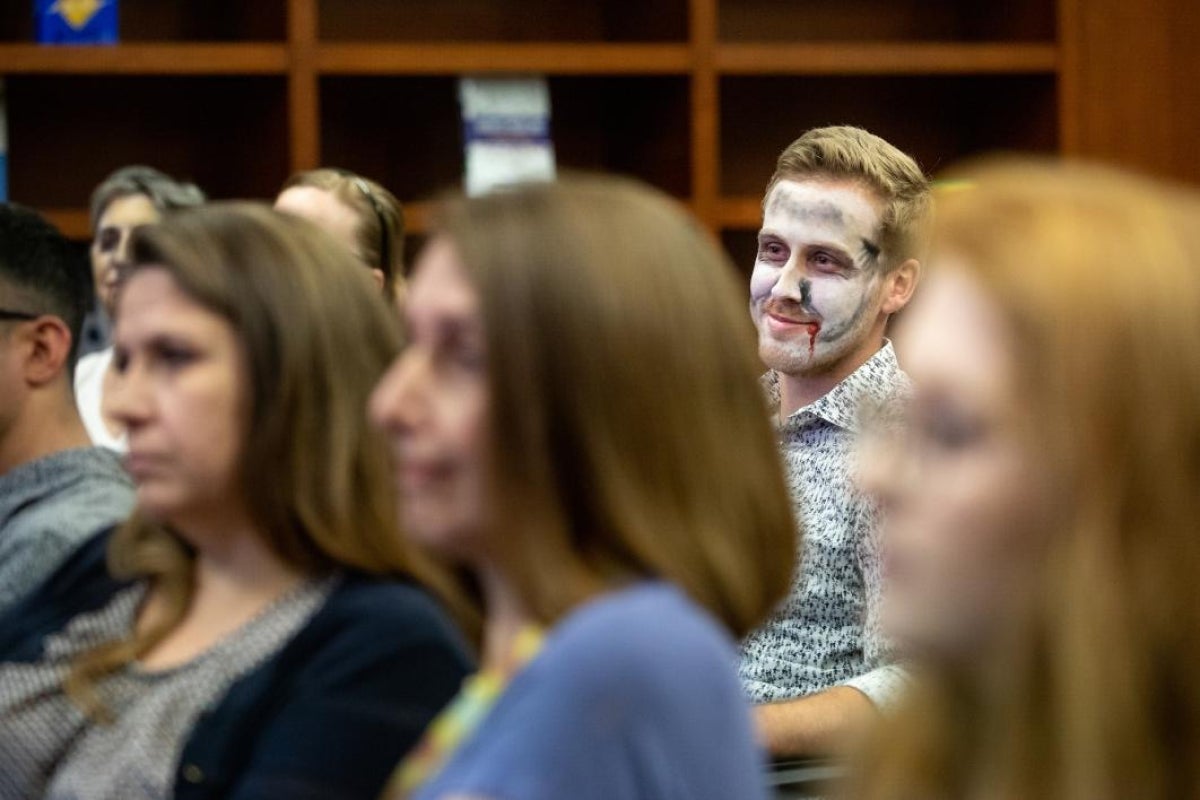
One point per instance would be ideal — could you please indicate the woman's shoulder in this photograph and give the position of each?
(654, 613)
(372, 637)
(383, 597)
(385, 612)
(634, 694)
(640, 636)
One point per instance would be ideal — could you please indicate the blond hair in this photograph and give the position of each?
(316, 480)
(380, 218)
(630, 438)
(843, 152)
(1093, 694)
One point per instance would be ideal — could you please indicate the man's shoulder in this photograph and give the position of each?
(69, 494)
(86, 462)
(880, 377)
(877, 381)
(91, 479)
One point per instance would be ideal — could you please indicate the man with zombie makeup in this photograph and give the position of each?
(838, 254)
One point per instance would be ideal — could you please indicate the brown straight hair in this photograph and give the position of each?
(1092, 694)
(316, 479)
(630, 437)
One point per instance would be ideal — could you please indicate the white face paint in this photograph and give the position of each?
(815, 290)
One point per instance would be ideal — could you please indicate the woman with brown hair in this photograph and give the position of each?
(257, 628)
(577, 418)
(1043, 508)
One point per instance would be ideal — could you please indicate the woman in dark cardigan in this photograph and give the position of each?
(258, 628)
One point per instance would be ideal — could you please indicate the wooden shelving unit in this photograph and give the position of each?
(694, 96)
(904, 58)
(455, 59)
(146, 59)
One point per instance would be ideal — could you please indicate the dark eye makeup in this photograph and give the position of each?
(108, 239)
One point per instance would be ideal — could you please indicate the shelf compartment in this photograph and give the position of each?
(406, 132)
(740, 213)
(227, 134)
(741, 244)
(511, 21)
(906, 58)
(145, 59)
(938, 119)
(885, 20)
(492, 57)
(72, 222)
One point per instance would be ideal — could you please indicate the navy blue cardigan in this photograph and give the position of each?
(329, 716)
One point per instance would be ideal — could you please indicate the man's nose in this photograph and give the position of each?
(791, 286)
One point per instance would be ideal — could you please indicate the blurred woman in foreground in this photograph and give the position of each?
(578, 419)
(257, 628)
(1043, 538)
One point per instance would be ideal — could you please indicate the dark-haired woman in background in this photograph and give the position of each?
(578, 419)
(256, 628)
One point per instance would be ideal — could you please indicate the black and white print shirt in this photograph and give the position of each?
(826, 633)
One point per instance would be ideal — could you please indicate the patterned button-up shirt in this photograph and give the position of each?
(827, 631)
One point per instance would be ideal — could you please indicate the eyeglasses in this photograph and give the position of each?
(20, 316)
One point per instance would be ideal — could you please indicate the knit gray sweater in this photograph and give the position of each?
(51, 506)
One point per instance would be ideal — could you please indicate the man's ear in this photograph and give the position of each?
(900, 285)
(48, 349)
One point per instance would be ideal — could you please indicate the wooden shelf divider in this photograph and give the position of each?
(739, 213)
(453, 59)
(145, 59)
(73, 222)
(304, 110)
(901, 58)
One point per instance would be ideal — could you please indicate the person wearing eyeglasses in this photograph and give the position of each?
(129, 197)
(56, 489)
(358, 212)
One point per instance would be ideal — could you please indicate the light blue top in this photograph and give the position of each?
(634, 696)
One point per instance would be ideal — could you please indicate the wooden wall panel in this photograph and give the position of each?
(1132, 84)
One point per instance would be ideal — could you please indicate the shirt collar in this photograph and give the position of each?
(879, 379)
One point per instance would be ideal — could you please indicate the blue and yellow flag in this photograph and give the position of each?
(76, 21)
